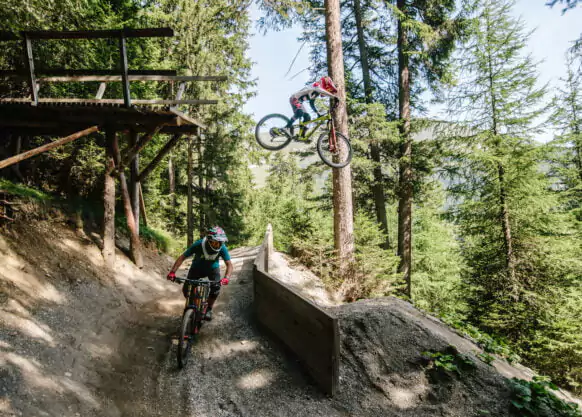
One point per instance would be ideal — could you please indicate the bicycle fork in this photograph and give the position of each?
(332, 137)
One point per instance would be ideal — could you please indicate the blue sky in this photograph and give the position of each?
(274, 52)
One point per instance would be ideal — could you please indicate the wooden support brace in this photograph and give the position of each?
(101, 91)
(167, 148)
(25, 155)
(142, 210)
(135, 245)
(131, 153)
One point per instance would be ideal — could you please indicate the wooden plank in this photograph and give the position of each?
(310, 332)
(28, 154)
(163, 152)
(108, 101)
(100, 34)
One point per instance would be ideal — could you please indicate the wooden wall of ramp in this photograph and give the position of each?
(309, 331)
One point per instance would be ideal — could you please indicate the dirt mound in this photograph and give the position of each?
(385, 373)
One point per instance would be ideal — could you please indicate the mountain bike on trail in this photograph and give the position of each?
(194, 315)
(275, 131)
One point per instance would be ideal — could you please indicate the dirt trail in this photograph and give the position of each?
(78, 339)
(234, 370)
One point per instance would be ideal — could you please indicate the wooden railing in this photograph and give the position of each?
(306, 329)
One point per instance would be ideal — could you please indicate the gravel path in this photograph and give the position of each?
(234, 370)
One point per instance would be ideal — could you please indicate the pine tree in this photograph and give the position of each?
(518, 248)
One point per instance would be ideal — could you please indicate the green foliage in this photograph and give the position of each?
(449, 361)
(486, 357)
(23, 190)
(534, 399)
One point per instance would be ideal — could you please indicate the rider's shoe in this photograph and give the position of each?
(208, 316)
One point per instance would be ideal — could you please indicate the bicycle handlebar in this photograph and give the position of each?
(196, 281)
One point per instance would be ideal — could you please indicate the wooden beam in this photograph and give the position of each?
(134, 242)
(28, 154)
(100, 34)
(189, 119)
(58, 73)
(107, 101)
(163, 152)
(133, 151)
(109, 77)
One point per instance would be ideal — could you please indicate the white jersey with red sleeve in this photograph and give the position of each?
(311, 93)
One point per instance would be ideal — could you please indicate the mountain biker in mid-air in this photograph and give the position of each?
(206, 252)
(323, 87)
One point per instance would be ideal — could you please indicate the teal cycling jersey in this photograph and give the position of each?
(205, 262)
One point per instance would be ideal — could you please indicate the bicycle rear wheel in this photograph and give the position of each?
(333, 157)
(186, 337)
(270, 133)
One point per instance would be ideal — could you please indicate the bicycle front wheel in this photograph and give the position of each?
(186, 337)
(338, 156)
(271, 134)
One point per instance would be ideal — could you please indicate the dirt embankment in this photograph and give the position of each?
(78, 339)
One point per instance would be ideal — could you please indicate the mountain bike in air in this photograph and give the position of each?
(333, 148)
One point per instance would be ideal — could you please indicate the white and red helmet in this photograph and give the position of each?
(327, 84)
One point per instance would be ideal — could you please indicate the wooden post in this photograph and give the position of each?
(30, 67)
(134, 181)
(25, 155)
(190, 231)
(109, 204)
(135, 246)
(142, 209)
(124, 72)
(201, 201)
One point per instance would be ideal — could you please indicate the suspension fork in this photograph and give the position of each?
(332, 136)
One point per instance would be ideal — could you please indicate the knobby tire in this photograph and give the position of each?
(286, 136)
(186, 337)
(322, 148)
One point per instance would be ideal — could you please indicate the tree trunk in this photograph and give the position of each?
(405, 186)
(342, 178)
(506, 226)
(109, 205)
(134, 243)
(190, 232)
(378, 184)
(134, 181)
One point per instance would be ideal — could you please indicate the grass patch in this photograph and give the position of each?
(23, 191)
(161, 240)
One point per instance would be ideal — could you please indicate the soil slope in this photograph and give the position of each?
(78, 339)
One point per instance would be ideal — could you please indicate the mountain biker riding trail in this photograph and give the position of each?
(324, 87)
(206, 252)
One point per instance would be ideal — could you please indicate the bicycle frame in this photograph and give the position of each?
(197, 296)
(310, 131)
